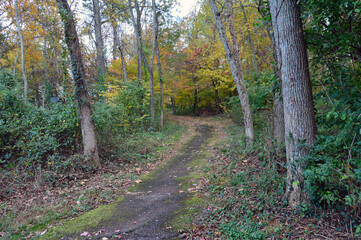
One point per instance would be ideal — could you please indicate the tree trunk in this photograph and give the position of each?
(81, 93)
(234, 60)
(117, 45)
(99, 45)
(16, 58)
(46, 77)
(218, 100)
(138, 28)
(255, 67)
(159, 66)
(300, 123)
(174, 108)
(115, 38)
(278, 113)
(125, 75)
(18, 25)
(195, 103)
(149, 67)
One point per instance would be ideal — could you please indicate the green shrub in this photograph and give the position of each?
(29, 135)
(333, 170)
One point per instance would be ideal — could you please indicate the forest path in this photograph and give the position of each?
(147, 210)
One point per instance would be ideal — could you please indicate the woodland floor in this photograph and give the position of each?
(197, 188)
(147, 209)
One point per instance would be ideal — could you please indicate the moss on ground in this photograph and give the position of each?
(184, 216)
(192, 206)
(155, 173)
(84, 222)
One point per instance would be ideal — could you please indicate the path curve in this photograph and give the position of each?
(145, 212)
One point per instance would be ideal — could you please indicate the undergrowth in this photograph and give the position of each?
(31, 206)
(244, 190)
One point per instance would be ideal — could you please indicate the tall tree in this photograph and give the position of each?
(145, 61)
(300, 123)
(138, 25)
(18, 25)
(159, 65)
(250, 41)
(81, 93)
(117, 46)
(99, 44)
(234, 60)
(121, 47)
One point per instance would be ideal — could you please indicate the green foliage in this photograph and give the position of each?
(30, 135)
(234, 230)
(333, 168)
(332, 29)
(6, 79)
(36, 142)
(260, 90)
(259, 93)
(233, 106)
(333, 172)
(127, 113)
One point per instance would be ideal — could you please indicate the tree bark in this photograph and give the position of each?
(196, 100)
(115, 38)
(250, 41)
(159, 65)
(99, 45)
(139, 39)
(218, 100)
(125, 74)
(46, 98)
(18, 25)
(118, 46)
(16, 58)
(174, 108)
(300, 123)
(81, 93)
(149, 67)
(234, 60)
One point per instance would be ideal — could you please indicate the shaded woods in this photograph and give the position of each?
(88, 88)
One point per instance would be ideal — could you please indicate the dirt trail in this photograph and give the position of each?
(145, 212)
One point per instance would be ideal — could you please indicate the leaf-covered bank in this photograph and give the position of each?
(242, 191)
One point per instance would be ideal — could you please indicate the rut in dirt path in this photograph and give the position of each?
(146, 213)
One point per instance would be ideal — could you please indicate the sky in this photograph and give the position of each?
(185, 7)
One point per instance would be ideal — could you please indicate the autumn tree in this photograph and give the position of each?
(18, 25)
(147, 64)
(234, 60)
(81, 93)
(159, 65)
(99, 43)
(300, 123)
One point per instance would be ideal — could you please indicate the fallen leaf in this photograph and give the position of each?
(84, 234)
(43, 232)
(138, 181)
